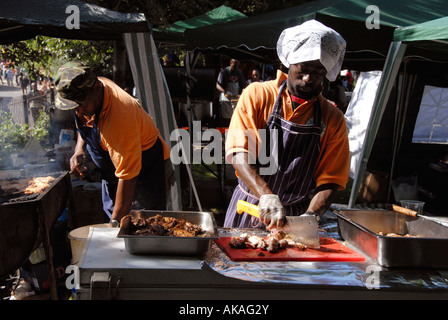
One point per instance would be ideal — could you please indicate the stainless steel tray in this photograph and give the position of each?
(428, 249)
(170, 245)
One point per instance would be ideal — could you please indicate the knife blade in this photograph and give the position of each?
(302, 229)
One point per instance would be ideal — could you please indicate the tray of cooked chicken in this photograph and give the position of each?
(168, 232)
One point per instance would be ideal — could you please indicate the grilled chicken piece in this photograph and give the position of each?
(239, 242)
(256, 242)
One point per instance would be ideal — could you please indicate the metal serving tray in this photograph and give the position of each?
(428, 249)
(170, 245)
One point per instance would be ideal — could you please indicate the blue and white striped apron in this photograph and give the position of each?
(297, 149)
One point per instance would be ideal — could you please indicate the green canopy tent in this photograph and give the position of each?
(417, 57)
(174, 34)
(366, 48)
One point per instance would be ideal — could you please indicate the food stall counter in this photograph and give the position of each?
(108, 271)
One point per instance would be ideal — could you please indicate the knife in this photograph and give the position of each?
(302, 229)
(405, 211)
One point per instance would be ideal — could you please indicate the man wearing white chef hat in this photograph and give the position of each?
(312, 149)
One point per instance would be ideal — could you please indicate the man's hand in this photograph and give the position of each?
(271, 211)
(78, 164)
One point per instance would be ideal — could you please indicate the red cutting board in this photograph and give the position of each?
(330, 250)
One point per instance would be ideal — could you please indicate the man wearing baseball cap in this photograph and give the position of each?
(311, 149)
(119, 136)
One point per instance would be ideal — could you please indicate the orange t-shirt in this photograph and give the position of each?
(256, 105)
(126, 129)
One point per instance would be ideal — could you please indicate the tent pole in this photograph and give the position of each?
(390, 71)
(154, 96)
(400, 88)
(407, 86)
(190, 62)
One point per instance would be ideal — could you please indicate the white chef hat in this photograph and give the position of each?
(312, 41)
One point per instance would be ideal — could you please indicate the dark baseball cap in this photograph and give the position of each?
(73, 81)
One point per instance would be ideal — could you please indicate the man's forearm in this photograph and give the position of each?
(124, 197)
(319, 204)
(248, 174)
(79, 143)
(323, 198)
(220, 88)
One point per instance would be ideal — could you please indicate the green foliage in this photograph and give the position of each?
(40, 131)
(14, 137)
(97, 54)
(49, 53)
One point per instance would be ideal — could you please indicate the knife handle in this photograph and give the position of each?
(249, 208)
(406, 211)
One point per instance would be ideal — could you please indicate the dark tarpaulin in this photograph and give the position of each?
(25, 19)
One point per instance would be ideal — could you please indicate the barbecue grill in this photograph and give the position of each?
(25, 222)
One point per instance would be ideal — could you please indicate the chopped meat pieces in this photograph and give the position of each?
(273, 243)
(164, 226)
(255, 242)
(238, 242)
(391, 234)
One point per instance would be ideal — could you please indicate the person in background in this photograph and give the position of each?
(9, 77)
(120, 137)
(230, 84)
(17, 74)
(24, 82)
(310, 146)
(349, 77)
(45, 86)
(255, 76)
(3, 73)
(336, 94)
(269, 73)
(170, 60)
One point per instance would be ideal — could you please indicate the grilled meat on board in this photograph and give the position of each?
(273, 243)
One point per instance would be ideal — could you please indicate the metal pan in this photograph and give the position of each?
(170, 245)
(429, 248)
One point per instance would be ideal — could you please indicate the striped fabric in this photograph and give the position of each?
(154, 96)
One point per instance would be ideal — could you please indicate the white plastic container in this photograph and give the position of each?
(78, 238)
